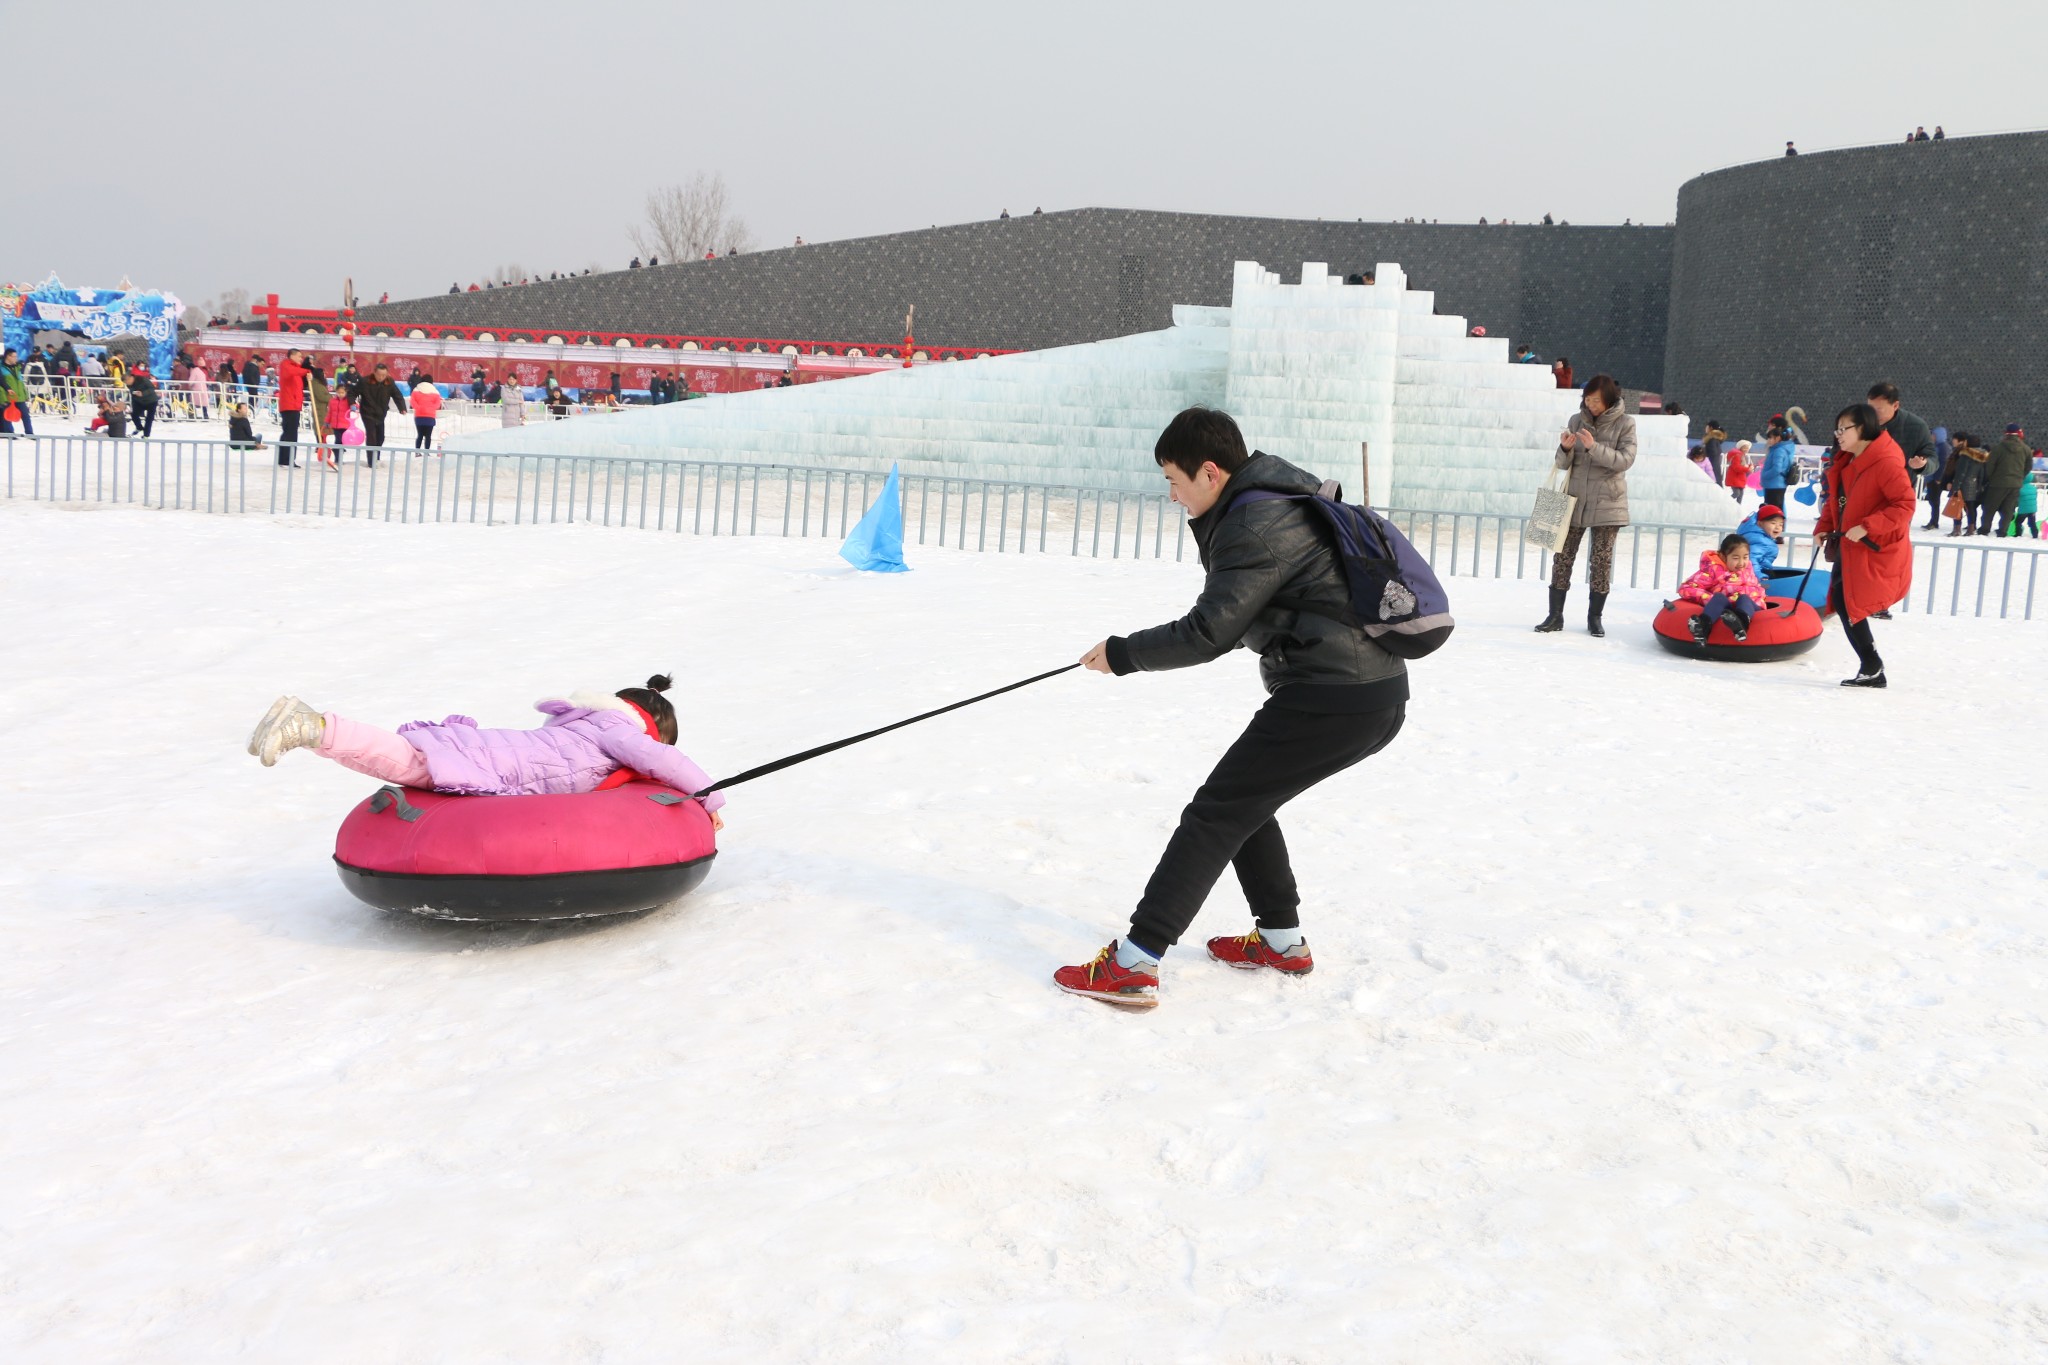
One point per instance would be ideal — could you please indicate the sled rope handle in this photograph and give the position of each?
(807, 755)
(1800, 596)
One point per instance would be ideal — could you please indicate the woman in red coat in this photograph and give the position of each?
(1867, 519)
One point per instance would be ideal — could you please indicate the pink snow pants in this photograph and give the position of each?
(373, 752)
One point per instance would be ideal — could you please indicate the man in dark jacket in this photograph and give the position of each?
(379, 394)
(1912, 436)
(2011, 464)
(142, 401)
(1335, 698)
(1915, 441)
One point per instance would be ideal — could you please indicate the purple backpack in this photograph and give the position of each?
(1395, 596)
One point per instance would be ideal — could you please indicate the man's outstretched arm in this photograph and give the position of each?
(1243, 577)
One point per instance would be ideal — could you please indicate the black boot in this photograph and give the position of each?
(1554, 621)
(1595, 603)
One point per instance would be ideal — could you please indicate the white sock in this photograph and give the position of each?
(1280, 940)
(1131, 957)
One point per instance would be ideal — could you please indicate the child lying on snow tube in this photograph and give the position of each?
(1724, 585)
(589, 742)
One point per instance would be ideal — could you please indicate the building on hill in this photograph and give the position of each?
(1057, 279)
(1796, 281)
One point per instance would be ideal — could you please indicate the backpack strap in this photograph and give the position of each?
(1330, 489)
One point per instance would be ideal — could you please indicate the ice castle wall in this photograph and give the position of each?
(1310, 370)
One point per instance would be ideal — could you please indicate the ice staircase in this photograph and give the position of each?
(1311, 371)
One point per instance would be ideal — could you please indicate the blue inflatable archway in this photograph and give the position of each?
(95, 314)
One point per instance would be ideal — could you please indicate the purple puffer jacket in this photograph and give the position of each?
(584, 740)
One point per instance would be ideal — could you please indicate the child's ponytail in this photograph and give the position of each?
(650, 700)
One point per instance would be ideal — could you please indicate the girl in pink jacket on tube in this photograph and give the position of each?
(1725, 587)
(588, 742)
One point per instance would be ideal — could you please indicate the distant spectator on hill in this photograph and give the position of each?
(1525, 354)
(1920, 133)
(1939, 136)
(634, 264)
(1004, 214)
(457, 289)
(1790, 150)
(653, 261)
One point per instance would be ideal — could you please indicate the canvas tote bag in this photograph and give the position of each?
(1551, 520)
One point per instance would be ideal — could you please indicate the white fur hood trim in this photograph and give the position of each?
(596, 701)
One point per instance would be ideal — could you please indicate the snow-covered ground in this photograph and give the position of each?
(1665, 1011)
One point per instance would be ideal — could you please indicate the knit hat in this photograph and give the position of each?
(2013, 429)
(1768, 511)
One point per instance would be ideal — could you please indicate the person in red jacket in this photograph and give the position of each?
(1866, 520)
(291, 403)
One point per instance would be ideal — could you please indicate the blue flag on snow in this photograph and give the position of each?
(877, 543)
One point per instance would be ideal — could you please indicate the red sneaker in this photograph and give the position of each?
(1250, 952)
(1102, 979)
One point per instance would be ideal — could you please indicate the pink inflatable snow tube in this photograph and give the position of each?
(609, 852)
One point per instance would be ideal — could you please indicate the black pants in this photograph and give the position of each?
(1935, 498)
(373, 436)
(2004, 503)
(288, 439)
(1859, 633)
(1280, 755)
(2027, 523)
(144, 418)
(424, 427)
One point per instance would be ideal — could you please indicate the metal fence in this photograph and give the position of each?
(700, 497)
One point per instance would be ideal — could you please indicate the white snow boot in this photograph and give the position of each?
(289, 724)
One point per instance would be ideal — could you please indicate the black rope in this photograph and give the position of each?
(807, 755)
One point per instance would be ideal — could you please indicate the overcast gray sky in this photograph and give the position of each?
(200, 146)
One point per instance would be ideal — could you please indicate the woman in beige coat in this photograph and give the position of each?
(1598, 447)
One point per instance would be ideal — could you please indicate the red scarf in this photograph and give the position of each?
(625, 775)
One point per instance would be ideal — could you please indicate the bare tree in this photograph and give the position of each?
(509, 274)
(685, 221)
(232, 304)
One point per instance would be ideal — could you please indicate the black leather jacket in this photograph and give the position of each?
(1253, 554)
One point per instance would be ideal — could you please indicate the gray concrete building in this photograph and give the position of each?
(1596, 294)
(1803, 280)
(1793, 281)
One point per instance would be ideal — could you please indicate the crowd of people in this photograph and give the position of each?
(1881, 462)
(1919, 134)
